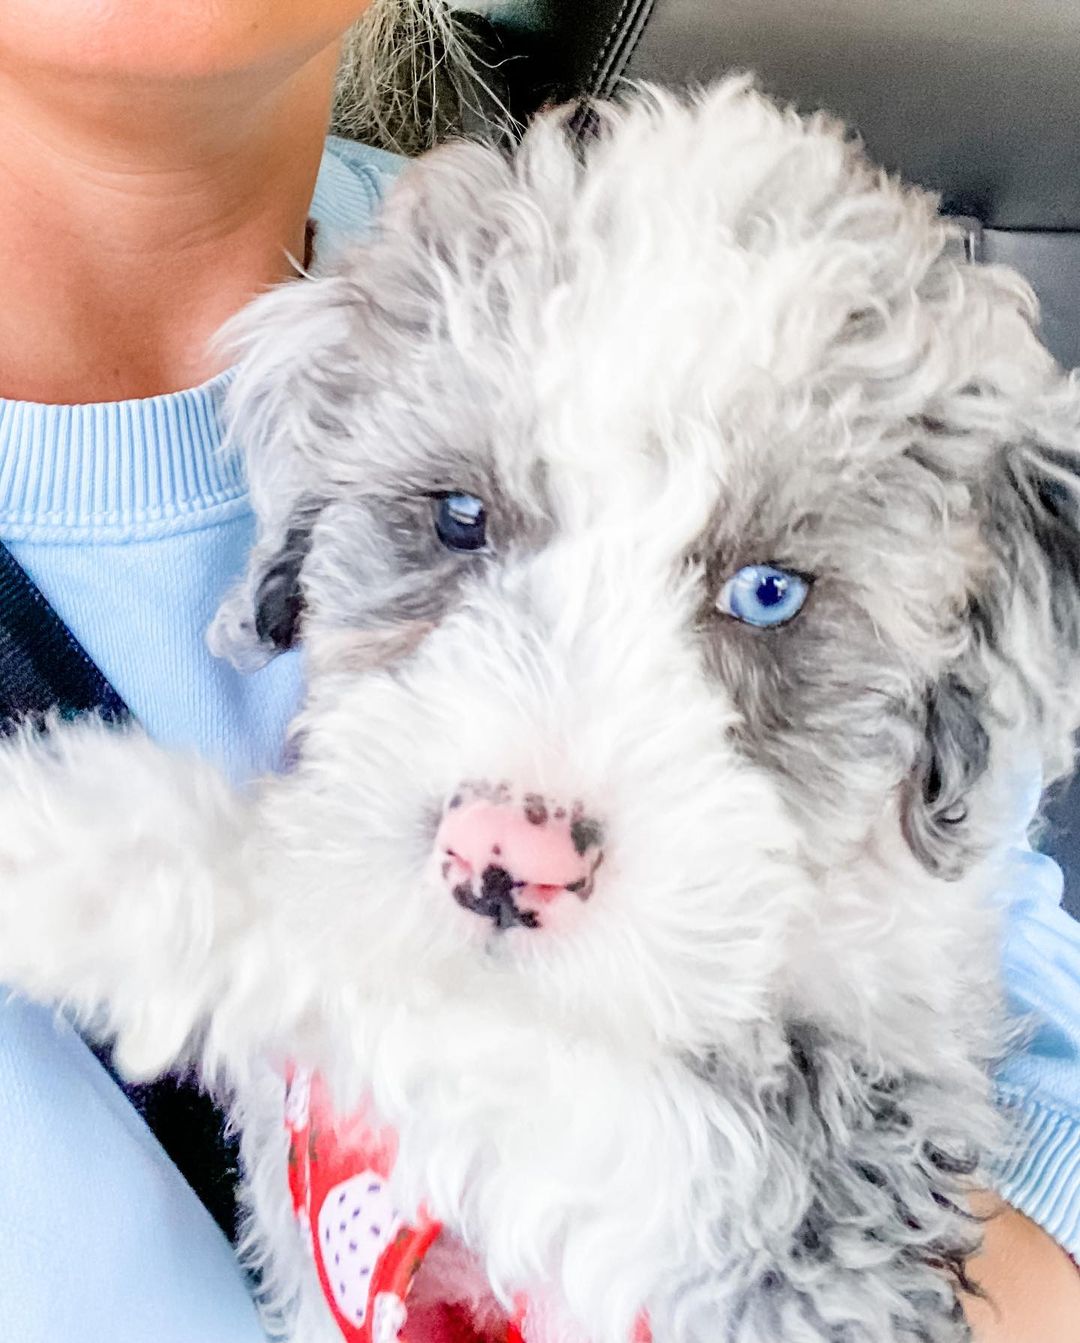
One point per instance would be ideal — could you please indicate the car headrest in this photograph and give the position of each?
(977, 99)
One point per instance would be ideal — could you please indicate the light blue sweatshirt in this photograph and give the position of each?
(1041, 1086)
(133, 524)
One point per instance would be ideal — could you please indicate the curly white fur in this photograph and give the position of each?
(748, 1090)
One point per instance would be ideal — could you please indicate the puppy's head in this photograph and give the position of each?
(684, 547)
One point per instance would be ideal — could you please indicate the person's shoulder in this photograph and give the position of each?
(353, 179)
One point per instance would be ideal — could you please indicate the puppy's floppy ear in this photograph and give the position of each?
(954, 755)
(1017, 682)
(1031, 612)
(315, 355)
(293, 379)
(278, 598)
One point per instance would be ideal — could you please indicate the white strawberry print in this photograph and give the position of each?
(357, 1222)
(298, 1100)
(388, 1318)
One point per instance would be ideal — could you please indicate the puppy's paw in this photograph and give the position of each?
(109, 855)
(54, 797)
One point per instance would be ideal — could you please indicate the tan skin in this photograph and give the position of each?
(156, 166)
(1032, 1286)
(157, 163)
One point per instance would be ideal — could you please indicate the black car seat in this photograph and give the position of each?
(977, 99)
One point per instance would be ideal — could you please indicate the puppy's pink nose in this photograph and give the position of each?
(506, 858)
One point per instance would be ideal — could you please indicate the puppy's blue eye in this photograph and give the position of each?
(762, 595)
(460, 521)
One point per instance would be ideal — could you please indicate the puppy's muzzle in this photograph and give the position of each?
(509, 857)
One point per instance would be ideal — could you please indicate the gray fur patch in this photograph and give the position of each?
(865, 1170)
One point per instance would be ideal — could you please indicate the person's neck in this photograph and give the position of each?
(134, 221)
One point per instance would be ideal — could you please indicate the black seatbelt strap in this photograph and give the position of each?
(42, 665)
(44, 669)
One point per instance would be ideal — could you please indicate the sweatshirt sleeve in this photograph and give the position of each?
(1040, 1086)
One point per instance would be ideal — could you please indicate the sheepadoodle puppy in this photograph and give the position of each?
(682, 539)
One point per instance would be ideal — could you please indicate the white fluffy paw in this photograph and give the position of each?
(110, 855)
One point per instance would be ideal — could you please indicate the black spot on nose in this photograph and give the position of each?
(585, 835)
(496, 884)
(498, 903)
(495, 900)
(507, 915)
(535, 809)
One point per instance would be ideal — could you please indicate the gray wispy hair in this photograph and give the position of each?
(408, 69)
